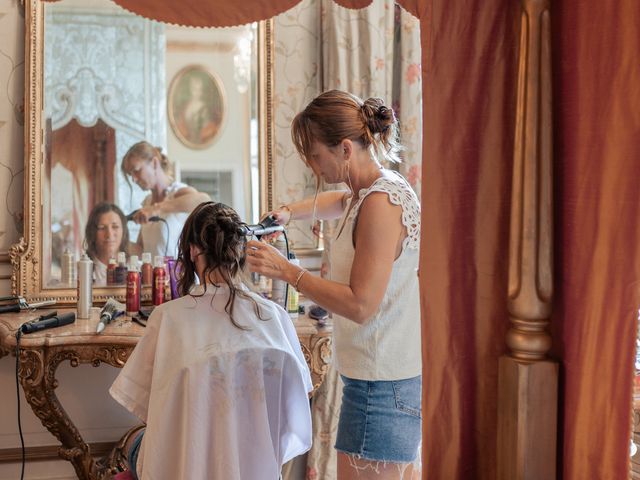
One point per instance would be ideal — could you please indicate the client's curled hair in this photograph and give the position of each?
(216, 229)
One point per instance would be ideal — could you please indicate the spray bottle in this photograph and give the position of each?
(121, 269)
(133, 287)
(278, 287)
(147, 269)
(159, 280)
(68, 264)
(85, 286)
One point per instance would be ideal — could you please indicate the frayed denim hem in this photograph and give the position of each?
(360, 463)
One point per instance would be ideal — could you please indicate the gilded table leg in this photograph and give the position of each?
(317, 353)
(37, 375)
(37, 369)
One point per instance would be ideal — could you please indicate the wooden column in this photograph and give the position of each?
(528, 380)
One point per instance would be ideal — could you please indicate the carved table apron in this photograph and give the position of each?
(41, 353)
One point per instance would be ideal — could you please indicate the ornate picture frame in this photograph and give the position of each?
(196, 106)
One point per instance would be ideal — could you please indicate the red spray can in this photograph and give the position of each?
(159, 279)
(133, 287)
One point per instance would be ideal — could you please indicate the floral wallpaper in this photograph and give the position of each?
(372, 52)
(297, 35)
(11, 122)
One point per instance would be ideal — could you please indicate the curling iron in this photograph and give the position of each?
(48, 321)
(266, 227)
(22, 304)
(155, 218)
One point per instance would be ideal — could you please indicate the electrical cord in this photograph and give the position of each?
(166, 225)
(286, 288)
(155, 218)
(18, 335)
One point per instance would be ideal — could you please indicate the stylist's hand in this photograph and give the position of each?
(266, 260)
(145, 213)
(282, 216)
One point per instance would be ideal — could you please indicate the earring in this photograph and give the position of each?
(349, 179)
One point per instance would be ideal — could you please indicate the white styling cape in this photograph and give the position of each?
(219, 402)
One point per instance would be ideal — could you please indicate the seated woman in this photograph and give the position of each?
(105, 235)
(219, 377)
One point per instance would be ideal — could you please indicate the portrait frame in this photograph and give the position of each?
(196, 106)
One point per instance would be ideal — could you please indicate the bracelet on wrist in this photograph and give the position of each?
(298, 278)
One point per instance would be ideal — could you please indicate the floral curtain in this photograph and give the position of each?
(372, 52)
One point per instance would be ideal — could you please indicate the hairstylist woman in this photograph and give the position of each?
(170, 200)
(373, 288)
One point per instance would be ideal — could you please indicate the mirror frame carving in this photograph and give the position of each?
(26, 255)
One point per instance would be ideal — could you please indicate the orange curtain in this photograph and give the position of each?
(469, 85)
(597, 240)
(223, 13)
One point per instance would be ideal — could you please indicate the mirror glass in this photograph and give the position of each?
(112, 79)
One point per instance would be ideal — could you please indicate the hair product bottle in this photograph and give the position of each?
(133, 287)
(68, 264)
(147, 269)
(159, 279)
(121, 269)
(85, 286)
(278, 287)
(172, 266)
(111, 271)
(293, 300)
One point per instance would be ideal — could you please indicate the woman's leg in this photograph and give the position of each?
(350, 468)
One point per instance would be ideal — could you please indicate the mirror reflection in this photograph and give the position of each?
(143, 121)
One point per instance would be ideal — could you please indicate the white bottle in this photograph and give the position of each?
(85, 286)
(68, 264)
(278, 287)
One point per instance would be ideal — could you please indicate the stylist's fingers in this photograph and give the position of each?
(264, 259)
(263, 249)
(140, 217)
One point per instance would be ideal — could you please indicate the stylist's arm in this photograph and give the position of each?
(377, 243)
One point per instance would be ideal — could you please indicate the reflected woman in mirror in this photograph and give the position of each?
(373, 285)
(168, 200)
(106, 234)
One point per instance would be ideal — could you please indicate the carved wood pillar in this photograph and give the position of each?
(528, 380)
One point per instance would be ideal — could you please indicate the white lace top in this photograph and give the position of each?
(387, 346)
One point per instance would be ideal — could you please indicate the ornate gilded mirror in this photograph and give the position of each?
(99, 79)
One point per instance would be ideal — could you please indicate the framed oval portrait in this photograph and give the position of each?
(196, 106)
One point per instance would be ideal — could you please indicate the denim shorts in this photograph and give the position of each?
(381, 420)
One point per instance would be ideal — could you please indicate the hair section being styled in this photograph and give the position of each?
(336, 115)
(91, 229)
(216, 229)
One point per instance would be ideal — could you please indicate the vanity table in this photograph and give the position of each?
(41, 353)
